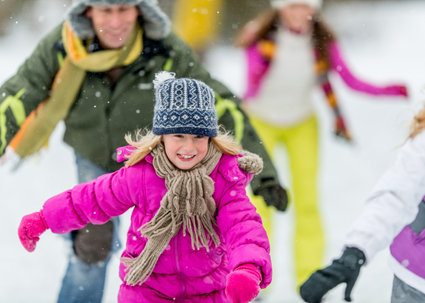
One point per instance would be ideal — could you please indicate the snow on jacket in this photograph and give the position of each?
(181, 273)
(390, 212)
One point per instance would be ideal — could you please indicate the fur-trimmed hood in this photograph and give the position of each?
(156, 23)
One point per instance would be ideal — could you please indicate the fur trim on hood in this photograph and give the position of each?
(156, 23)
(251, 163)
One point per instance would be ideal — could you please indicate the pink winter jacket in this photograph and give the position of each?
(258, 67)
(181, 274)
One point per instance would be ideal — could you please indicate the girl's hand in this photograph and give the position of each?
(30, 229)
(243, 284)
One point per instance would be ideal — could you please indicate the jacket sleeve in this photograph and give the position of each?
(338, 65)
(231, 116)
(256, 69)
(96, 201)
(393, 203)
(24, 91)
(245, 237)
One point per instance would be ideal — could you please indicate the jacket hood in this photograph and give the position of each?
(156, 24)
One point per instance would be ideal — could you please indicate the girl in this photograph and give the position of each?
(394, 212)
(290, 50)
(194, 235)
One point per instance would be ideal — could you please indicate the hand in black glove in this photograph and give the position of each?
(274, 195)
(343, 270)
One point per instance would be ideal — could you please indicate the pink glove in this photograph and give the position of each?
(396, 90)
(243, 284)
(31, 227)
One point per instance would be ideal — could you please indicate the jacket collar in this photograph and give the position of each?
(229, 168)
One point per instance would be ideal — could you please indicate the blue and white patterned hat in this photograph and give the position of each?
(183, 106)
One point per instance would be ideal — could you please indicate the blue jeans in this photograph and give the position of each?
(84, 282)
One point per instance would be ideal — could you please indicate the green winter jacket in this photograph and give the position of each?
(104, 112)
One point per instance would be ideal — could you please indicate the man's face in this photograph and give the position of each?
(113, 24)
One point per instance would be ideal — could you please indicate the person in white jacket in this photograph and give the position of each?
(394, 215)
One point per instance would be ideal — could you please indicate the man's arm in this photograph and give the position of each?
(28, 87)
(187, 64)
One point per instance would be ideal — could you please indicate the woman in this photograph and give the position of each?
(290, 51)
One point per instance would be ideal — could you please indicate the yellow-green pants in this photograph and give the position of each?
(301, 142)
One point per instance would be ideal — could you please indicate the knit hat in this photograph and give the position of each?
(183, 106)
(156, 23)
(282, 3)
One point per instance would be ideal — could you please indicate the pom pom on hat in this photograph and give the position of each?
(161, 77)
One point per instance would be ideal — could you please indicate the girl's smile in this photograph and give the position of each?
(185, 151)
(185, 157)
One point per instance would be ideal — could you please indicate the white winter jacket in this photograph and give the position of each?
(392, 205)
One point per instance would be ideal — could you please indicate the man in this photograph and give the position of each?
(97, 69)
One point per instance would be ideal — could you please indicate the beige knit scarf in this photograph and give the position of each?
(188, 202)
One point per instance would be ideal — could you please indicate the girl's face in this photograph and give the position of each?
(297, 17)
(185, 151)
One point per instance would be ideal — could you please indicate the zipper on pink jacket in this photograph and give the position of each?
(182, 276)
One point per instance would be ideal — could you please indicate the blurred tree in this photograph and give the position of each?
(9, 10)
(237, 13)
(197, 21)
(205, 22)
(233, 14)
(201, 31)
(12, 11)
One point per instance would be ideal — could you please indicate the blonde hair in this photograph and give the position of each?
(418, 124)
(144, 141)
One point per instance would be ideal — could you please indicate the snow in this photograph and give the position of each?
(381, 42)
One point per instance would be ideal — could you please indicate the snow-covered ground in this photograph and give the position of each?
(382, 43)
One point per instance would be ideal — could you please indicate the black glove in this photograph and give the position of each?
(343, 270)
(274, 195)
